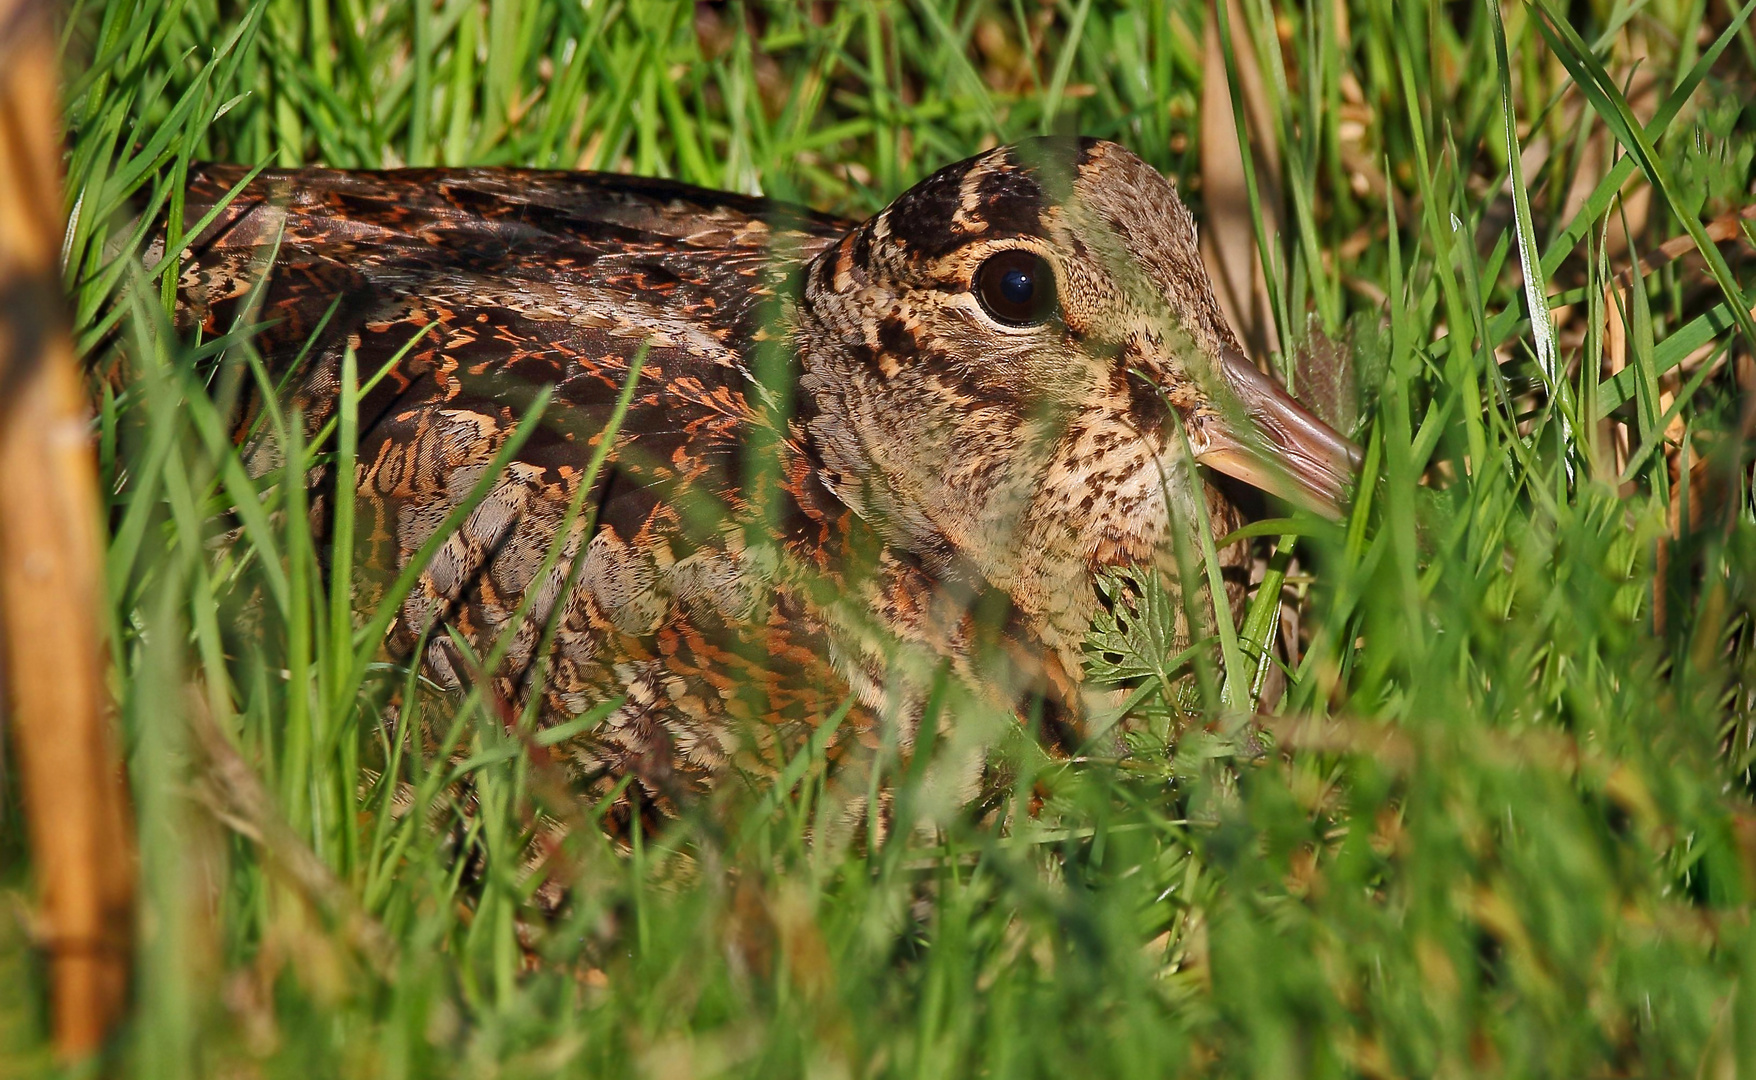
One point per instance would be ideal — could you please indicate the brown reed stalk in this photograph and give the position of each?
(50, 641)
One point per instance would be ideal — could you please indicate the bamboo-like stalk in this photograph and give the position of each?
(1228, 240)
(52, 655)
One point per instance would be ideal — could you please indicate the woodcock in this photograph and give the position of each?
(853, 452)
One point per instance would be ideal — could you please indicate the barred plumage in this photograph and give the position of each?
(839, 458)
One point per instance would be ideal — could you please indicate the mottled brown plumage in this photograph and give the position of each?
(853, 451)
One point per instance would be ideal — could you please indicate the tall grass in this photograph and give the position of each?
(1499, 823)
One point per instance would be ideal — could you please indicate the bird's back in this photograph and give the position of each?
(473, 290)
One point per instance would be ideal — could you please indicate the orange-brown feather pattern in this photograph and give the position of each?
(834, 458)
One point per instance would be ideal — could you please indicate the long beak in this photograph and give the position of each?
(1270, 441)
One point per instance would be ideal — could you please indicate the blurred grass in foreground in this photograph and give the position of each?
(1504, 823)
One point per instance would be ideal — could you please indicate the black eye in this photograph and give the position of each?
(1016, 287)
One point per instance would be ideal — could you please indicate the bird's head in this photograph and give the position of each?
(1000, 360)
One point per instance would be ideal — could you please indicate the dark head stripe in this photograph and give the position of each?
(861, 252)
(1011, 202)
(1013, 188)
(921, 218)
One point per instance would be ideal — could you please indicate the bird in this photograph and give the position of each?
(855, 456)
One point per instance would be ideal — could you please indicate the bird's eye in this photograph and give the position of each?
(1016, 287)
